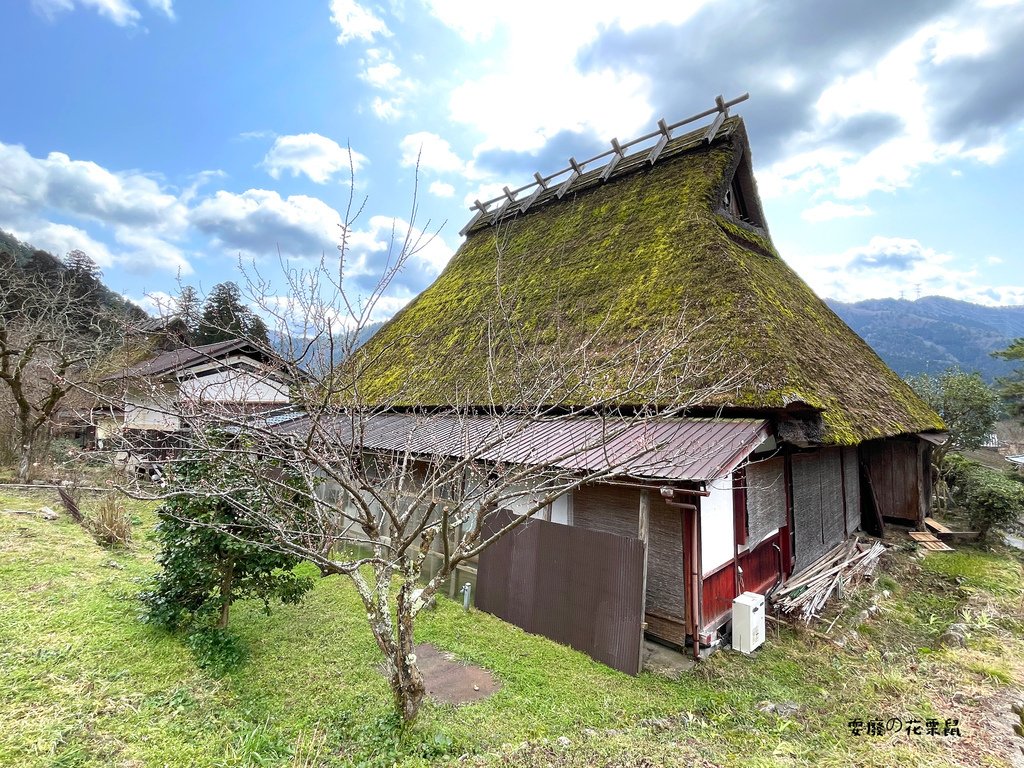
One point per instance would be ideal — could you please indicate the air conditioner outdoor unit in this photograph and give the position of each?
(747, 622)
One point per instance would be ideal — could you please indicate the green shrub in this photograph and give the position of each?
(211, 552)
(215, 650)
(956, 468)
(990, 498)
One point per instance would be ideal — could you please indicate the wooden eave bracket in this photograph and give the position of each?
(541, 186)
(619, 154)
(723, 112)
(481, 209)
(577, 171)
(659, 147)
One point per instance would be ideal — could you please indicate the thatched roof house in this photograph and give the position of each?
(635, 249)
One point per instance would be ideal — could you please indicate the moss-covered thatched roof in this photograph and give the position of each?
(622, 258)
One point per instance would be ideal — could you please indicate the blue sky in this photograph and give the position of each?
(173, 137)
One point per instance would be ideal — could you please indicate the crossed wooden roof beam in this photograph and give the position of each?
(510, 201)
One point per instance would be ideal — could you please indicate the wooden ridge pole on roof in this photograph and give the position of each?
(616, 153)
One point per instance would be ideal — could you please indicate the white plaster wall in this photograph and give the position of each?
(561, 509)
(717, 535)
(151, 410)
(234, 386)
(525, 499)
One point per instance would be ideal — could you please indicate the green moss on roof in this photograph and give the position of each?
(624, 258)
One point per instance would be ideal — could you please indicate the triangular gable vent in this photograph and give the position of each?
(740, 196)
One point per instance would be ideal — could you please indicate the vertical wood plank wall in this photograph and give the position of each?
(818, 502)
(896, 470)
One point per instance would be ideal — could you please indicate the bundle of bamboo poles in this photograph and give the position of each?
(845, 565)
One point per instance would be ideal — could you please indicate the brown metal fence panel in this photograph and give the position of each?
(579, 587)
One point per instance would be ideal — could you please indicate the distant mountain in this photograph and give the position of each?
(933, 333)
(285, 345)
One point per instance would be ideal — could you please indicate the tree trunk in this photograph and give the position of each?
(397, 643)
(226, 579)
(24, 463)
(25, 441)
(407, 683)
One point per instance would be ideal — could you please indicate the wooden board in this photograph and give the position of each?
(928, 541)
(938, 527)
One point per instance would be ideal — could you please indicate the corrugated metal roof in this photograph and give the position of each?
(665, 449)
(176, 359)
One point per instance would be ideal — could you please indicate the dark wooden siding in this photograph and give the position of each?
(575, 586)
(851, 480)
(833, 503)
(766, 498)
(616, 509)
(896, 474)
(665, 574)
(817, 504)
(608, 508)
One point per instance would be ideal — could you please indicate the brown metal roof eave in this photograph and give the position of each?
(722, 443)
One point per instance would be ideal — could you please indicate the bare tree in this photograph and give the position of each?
(50, 331)
(375, 487)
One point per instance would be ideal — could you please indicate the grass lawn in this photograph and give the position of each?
(84, 683)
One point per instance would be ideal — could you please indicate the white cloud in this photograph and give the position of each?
(199, 180)
(84, 189)
(144, 253)
(316, 156)
(122, 12)
(58, 239)
(164, 6)
(355, 22)
(382, 75)
(384, 241)
(38, 195)
(896, 86)
(258, 222)
(476, 22)
(139, 252)
(441, 189)
(894, 267)
(386, 109)
(829, 210)
(381, 72)
(605, 102)
(262, 134)
(431, 152)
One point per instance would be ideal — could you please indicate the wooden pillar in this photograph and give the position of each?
(922, 466)
(644, 534)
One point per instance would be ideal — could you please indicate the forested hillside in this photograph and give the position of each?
(933, 333)
(95, 296)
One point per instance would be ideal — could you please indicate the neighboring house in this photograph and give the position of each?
(819, 440)
(152, 400)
